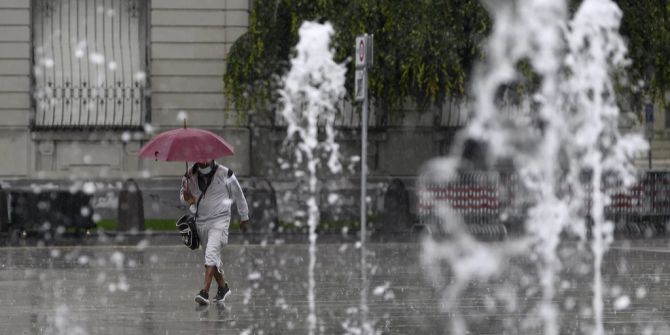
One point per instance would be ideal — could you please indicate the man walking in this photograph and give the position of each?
(210, 189)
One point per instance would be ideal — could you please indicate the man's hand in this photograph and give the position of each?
(188, 196)
(243, 226)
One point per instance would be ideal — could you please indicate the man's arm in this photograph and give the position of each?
(240, 201)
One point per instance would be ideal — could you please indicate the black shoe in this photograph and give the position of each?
(202, 298)
(222, 293)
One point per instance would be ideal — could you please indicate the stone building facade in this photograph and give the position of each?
(142, 61)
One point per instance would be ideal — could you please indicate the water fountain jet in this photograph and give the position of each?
(312, 89)
(560, 143)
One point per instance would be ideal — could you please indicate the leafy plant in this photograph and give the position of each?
(424, 50)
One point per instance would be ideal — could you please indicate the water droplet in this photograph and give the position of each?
(140, 76)
(48, 62)
(96, 58)
(89, 187)
(622, 302)
(182, 116)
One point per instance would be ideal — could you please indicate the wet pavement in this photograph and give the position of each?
(148, 288)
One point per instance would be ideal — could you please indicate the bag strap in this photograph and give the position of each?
(230, 191)
(210, 176)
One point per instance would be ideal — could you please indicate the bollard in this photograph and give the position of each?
(396, 217)
(130, 212)
(4, 212)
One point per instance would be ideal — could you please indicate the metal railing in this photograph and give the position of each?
(495, 198)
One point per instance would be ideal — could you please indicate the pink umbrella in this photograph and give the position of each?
(186, 144)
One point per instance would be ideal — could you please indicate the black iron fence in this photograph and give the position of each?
(54, 212)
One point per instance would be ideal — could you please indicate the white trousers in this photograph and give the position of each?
(213, 236)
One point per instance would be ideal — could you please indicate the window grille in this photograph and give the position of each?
(89, 62)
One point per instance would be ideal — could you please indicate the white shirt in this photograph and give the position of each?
(223, 190)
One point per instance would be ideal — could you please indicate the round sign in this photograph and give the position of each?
(361, 51)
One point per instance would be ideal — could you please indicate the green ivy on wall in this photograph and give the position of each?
(424, 50)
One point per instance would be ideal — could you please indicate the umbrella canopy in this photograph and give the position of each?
(186, 144)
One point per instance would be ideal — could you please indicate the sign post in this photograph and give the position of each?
(363, 55)
(649, 122)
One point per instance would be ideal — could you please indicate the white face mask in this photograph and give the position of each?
(206, 170)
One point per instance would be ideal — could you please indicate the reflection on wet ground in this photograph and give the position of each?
(149, 289)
